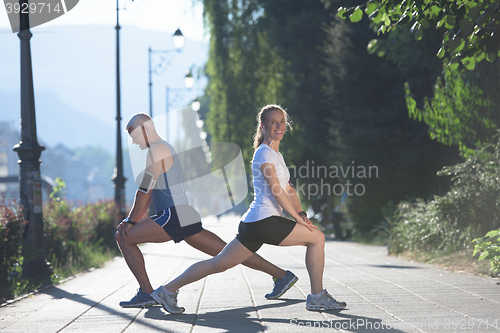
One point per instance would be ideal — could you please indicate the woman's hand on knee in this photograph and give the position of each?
(306, 222)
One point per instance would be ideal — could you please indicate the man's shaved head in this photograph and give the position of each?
(138, 119)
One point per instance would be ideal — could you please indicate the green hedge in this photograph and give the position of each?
(78, 238)
(451, 222)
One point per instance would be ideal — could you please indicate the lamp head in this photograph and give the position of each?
(196, 105)
(178, 39)
(189, 80)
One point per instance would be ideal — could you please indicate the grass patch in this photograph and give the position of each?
(88, 257)
(458, 262)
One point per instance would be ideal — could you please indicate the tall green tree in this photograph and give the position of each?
(243, 69)
(371, 121)
(268, 52)
(463, 107)
(471, 26)
(297, 32)
(463, 110)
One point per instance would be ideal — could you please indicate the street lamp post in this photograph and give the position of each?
(178, 39)
(118, 177)
(35, 264)
(189, 84)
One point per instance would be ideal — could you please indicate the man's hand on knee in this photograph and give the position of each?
(122, 231)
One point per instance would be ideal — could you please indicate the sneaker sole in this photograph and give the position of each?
(287, 287)
(320, 308)
(159, 300)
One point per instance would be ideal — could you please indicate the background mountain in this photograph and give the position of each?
(74, 73)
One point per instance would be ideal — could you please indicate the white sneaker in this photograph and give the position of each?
(323, 301)
(167, 299)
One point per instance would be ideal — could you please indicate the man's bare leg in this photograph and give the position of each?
(145, 231)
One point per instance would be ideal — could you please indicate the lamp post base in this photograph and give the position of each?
(37, 271)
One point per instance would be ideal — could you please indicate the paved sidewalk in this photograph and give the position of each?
(382, 294)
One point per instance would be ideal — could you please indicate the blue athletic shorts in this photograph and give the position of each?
(179, 222)
(271, 230)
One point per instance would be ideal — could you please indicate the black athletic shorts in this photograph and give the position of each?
(271, 230)
(179, 222)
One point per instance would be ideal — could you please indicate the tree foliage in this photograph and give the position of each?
(471, 25)
(243, 69)
(462, 108)
(459, 113)
(370, 119)
(489, 248)
(264, 52)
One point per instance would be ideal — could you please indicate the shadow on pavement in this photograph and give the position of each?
(57, 293)
(385, 266)
(396, 266)
(231, 321)
(244, 320)
(240, 320)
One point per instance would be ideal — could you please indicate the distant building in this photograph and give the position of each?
(61, 162)
(84, 182)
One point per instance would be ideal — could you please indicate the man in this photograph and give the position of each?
(175, 219)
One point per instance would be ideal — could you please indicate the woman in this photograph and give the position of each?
(263, 223)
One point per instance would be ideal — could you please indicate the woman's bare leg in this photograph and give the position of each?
(233, 254)
(315, 253)
(211, 244)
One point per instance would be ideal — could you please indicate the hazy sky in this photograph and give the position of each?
(161, 15)
(77, 77)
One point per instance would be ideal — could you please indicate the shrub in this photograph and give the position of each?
(489, 248)
(452, 221)
(76, 237)
(11, 228)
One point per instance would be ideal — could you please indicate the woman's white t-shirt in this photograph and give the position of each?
(264, 204)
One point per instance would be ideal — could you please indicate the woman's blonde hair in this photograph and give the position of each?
(258, 137)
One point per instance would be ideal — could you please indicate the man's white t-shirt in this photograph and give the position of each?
(264, 204)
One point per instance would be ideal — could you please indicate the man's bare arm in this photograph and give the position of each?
(141, 204)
